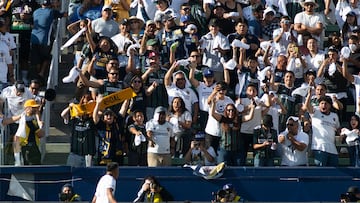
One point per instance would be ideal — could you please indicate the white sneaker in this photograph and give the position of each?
(73, 74)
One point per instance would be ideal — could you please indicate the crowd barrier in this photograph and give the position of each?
(263, 184)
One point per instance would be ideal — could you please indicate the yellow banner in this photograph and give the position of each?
(110, 100)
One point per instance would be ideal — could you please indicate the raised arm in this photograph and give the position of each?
(250, 114)
(307, 105)
(194, 82)
(212, 110)
(96, 117)
(87, 82)
(168, 75)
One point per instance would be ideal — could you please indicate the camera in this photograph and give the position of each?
(223, 195)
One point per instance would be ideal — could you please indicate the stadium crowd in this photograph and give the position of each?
(214, 79)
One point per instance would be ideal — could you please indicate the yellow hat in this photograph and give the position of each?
(31, 103)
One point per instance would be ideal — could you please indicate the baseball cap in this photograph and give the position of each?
(333, 49)
(168, 17)
(106, 7)
(20, 86)
(190, 27)
(160, 109)
(294, 118)
(124, 22)
(356, 29)
(351, 13)
(214, 22)
(150, 22)
(219, 5)
(208, 73)
(46, 3)
(353, 190)
(310, 72)
(228, 186)
(31, 103)
(199, 136)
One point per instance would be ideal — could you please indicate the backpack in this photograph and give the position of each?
(197, 15)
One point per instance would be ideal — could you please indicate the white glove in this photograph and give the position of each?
(240, 44)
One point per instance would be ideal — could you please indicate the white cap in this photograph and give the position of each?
(190, 27)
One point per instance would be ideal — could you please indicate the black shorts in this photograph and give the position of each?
(40, 53)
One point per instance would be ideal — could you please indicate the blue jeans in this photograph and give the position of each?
(263, 162)
(325, 159)
(231, 158)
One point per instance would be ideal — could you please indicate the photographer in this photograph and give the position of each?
(352, 195)
(227, 194)
(67, 194)
(199, 153)
(152, 191)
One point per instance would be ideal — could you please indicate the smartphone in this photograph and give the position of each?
(296, 50)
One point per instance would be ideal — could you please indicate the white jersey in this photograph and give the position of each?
(187, 94)
(212, 125)
(107, 181)
(324, 128)
(161, 136)
(291, 156)
(248, 126)
(204, 92)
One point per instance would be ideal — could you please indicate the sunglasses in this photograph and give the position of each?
(137, 81)
(311, 5)
(180, 79)
(114, 73)
(290, 124)
(230, 110)
(186, 9)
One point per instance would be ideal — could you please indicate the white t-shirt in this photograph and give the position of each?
(174, 120)
(248, 126)
(324, 128)
(107, 181)
(196, 153)
(296, 67)
(161, 136)
(310, 21)
(315, 62)
(291, 156)
(211, 56)
(212, 125)
(15, 103)
(204, 92)
(8, 39)
(120, 40)
(282, 45)
(108, 28)
(187, 94)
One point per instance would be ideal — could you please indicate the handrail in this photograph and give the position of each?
(52, 82)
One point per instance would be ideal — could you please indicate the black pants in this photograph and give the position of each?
(31, 154)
